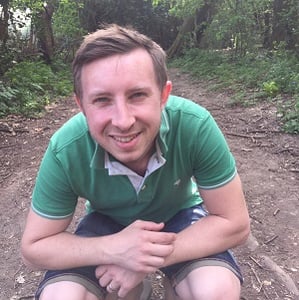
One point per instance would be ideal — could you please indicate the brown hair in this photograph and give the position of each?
(113, 39)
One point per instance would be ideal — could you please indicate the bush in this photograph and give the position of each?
(29, 86)
(7, 96)
(290, 116)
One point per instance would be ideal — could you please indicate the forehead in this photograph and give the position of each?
(137, 56)
(135, 63)
(119, 71)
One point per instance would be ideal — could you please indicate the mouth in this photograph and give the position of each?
(125, 139)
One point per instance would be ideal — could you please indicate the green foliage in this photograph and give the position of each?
(33, 5)
(251, 78)
(154, 21)
(71, 28)
(271, 88)
(182, 8)
(67, 33)
(29, 86)
(7, 96)
(6, 59)
(283, 69)
(235, 25)
(290, 115)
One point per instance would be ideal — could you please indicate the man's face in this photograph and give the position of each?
(122, 104)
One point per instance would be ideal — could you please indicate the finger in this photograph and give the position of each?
(151, 264)
(162, 238)
(148, 225)
(100, 271)
(123, 292)
(111, 288)
(145, 267)
(104, 281)
(160, 250)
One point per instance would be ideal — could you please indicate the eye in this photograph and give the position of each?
(101, 100)
(138, 95)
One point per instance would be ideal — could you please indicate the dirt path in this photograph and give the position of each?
(267, 161)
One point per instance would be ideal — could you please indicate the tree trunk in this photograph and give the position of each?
(187, 26)
(203, 18)
(282, 24)
(278, 33)
(267, 31)
(4, 17)
(44, 32)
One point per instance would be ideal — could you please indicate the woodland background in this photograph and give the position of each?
(249, 48)
(237, 58)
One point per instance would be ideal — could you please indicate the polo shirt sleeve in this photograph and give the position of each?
(53, 196)
(214, 164)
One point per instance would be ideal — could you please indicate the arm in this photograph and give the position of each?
(226, 226)
(140, 247)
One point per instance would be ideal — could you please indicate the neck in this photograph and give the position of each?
(140, 166)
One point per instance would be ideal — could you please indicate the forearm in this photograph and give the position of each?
(140, 247)
(210, 235)
(65, 250)
(226, 226)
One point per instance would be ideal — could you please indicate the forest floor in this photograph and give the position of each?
(268, 163)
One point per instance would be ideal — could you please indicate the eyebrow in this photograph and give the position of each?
(103, 93)
(140, 88)
(98, 93)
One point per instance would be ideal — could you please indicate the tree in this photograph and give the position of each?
(43, 28)
(68, 34)
(4, 17)
(196, 14)
(285, 23)
(187, 27)
(154, 21)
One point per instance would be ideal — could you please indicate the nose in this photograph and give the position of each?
(122, 117)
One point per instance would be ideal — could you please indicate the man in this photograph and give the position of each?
(146, 162)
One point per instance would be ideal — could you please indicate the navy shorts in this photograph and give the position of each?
(96, 224)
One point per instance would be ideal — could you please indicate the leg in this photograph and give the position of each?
(67, 290)
(141, 292)
(170, 293)
(133, 295)
(216, 277)
(210, 282)
(71, 290)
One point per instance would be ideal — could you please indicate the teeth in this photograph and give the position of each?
(124, 139)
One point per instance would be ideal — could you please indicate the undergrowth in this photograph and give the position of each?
(29, 86)
(253, 78)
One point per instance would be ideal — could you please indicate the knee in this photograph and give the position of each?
(65, 290)
(224, 289)
(224, 285)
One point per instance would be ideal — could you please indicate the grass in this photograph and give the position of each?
(250, 79)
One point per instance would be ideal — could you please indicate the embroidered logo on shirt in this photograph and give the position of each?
(177, 183)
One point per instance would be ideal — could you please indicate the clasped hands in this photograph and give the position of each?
(139, 249)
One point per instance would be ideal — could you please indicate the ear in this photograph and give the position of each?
(165, 93)
(78, 102)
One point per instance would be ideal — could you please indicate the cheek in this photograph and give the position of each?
(96, 121)
(155, 116)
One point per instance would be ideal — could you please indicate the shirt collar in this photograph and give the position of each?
(164, 129)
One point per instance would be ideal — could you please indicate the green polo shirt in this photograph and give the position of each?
(73, 166)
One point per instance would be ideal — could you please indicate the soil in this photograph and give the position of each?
(267, 162)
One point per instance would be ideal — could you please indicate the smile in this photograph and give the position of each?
(125, 139)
